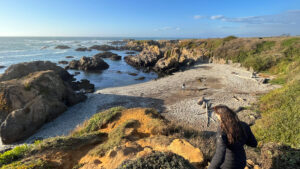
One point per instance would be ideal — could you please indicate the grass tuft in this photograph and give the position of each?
(98, 121)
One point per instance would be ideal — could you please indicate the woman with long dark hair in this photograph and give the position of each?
(232, 135)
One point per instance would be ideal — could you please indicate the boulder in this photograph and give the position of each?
(109, 55)
(62, 47)
(102, 47)
(68, 57)
(88, 64)
(26, 103)
(23, 69)
(147, 58)
(82, 49)
(140, 78)
(1, 67)
(63, 62)
(85, 85)
(187, 151)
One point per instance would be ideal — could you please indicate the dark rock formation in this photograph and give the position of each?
(62, 47)
(1, 67)
(83, 49)
(140, 78)
(76, 73)
(88, 64)
(69, 57)
(31, 95)
(85, 85)
(133, 74)
(103, 47)
(109, 55)
(63, 62)
(130, 53)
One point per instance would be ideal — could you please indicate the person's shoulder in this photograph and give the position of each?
(244, 124)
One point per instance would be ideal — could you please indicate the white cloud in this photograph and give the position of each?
(215, 17)
(289, 17)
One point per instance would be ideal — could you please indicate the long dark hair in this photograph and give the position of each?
(230, 123)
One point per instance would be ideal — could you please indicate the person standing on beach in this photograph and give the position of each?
(232, 135)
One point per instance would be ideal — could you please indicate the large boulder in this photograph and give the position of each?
(82, 49)
(109, 55)
(37, 90)
(147, 58)
(23, 69)
(88, 64)
(62, 47)
(28, 102)
(102, 47)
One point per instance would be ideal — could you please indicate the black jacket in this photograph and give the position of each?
(232, 156)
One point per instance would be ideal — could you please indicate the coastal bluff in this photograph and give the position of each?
(30, 95)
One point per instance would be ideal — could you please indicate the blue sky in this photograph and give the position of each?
(149, 18)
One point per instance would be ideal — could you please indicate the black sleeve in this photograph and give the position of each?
(219, 156)
(251, 140)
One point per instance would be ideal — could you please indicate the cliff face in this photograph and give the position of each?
(254, 53)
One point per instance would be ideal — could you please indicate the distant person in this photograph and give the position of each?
(183, 86)
(232, 135)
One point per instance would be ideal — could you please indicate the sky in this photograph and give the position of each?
(149, 18)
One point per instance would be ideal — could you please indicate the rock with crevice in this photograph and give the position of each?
(28, 102)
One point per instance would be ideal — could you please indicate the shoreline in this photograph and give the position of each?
(216, 82)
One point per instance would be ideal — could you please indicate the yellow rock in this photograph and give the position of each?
(187, 151)
(256, 167)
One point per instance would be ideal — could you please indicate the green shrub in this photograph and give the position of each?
(264, 46)
(280, 116)
(14, 154)
(229, 38)
(158, 160)
(290, 41)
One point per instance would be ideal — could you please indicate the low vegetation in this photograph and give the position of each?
(14, 154)
(158, 160)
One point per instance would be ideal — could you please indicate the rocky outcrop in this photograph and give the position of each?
(31, 96)
(68, 57)
(145, 59)
(166, 57)
(85, 85)
(109, 55)
(82, 49)
(63, 62)
(1, 67)
(102, 47)
(180, 57)
(23, 69)
(88, 64)
(62, 47)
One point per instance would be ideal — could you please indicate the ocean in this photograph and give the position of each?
(26, 49)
